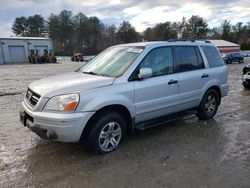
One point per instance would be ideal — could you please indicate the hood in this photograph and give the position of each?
(68, 83)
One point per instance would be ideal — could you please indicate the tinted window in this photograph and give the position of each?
(237, 55)
(187, 59)
(213, 57)
(160, 60)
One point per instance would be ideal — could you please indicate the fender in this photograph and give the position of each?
(94, 100)
(209, 84)
(103, 101)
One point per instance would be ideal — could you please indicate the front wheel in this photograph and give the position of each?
(246, 84)
(107, 133)
(209, 105)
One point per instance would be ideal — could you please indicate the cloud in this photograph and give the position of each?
(141, 14)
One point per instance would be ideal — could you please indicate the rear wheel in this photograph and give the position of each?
(107, 133)
(209, 105)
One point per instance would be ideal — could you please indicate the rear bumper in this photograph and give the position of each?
(64, 127)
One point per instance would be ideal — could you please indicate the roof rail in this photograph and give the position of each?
(184, 40)
(206, 41)
(176, 40)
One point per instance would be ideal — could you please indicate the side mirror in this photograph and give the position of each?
(145, 73)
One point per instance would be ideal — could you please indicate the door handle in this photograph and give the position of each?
(172, 82)
(204, 76)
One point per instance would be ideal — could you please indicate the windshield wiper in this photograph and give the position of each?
(90, 72)
(93, 73)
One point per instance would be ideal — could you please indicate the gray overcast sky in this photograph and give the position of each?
(140, 13)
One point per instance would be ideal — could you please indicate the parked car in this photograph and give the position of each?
(246, 76)
(127, 87)
(233, 57)
(245, 55)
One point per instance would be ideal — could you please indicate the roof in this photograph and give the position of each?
(223, 43)
(163, 43)
(24, 38)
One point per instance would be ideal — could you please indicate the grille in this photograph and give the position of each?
(32, 97)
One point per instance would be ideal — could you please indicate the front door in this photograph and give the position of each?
(158, 95)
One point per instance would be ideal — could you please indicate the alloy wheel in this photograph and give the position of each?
(110, 136)
(210, 104)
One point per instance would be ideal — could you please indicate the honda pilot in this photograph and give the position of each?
(127, 87)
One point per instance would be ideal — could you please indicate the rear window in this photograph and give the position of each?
(213, 57)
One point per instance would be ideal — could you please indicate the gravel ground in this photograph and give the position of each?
(185, 153)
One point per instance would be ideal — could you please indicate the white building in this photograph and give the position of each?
(225, 46)
(16, 49)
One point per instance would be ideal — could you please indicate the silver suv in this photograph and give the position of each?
(127, 87)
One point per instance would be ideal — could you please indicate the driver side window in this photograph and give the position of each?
(160, 60)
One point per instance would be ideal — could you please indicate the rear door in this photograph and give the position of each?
(192, 75)
(158, 95)
(217, 70)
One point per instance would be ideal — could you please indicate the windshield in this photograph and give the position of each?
(113, 62)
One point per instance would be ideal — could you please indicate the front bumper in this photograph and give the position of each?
(246, 79)
(64, 127)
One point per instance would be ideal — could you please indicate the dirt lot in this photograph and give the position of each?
(185, 153)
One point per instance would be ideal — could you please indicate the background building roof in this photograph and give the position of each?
(25, 38)
(223, 43)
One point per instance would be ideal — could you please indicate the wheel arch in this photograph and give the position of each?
(217, 89)
(118, 108)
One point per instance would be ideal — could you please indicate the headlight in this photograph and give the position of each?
(66, 103)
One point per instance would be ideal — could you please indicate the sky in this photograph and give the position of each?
(140, 13)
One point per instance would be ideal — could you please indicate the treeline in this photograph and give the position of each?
(90, 36)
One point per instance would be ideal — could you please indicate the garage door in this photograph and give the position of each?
(17, 54)
(41, 49)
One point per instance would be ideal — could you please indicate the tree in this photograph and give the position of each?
(214, 33)
(127, 33)
(165, 31)
(149, 34)
(94, 31)
(66, 29)
(197, 27)
(36, 26)
(226, 30)
(80, 22)
(53, 26)
(109, 36)
(33, 26)
(20, 26)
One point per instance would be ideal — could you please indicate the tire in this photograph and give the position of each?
(246, 84)
(209, 105)
(108, 132)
